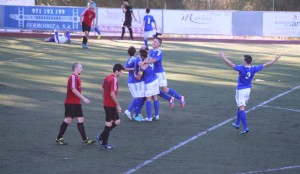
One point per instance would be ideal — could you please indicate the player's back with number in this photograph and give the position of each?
(150, 73)
(148, 19)
(246, 74)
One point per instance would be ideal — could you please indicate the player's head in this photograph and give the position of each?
(125, 2)
(118, 69)
(143, 47)
(131, 51)
(143, 54)
(92, 5)
(247, 59)
(147, 10)
(156, 42)
(77, 68)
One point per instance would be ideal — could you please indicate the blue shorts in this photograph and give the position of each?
(51, 39)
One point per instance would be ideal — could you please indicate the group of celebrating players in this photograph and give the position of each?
(146, 76)
(146, 81)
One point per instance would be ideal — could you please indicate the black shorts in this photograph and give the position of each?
(111, 114)
(85, 27)
(127, 22)
(73, 110)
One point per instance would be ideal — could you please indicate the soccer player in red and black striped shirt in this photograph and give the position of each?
(73, 106)
(87, 20)
(109, 92)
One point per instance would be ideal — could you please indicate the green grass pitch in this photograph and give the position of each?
(33, 77)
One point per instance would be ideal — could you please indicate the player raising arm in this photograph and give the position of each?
(246, 74)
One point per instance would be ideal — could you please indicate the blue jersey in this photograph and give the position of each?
(148, 19)
(137, 68)
(130, 64)
(246, 74)
(149, 74)
(157, 54)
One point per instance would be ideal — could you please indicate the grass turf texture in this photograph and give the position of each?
(33, 86)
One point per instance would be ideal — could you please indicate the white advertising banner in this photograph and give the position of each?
(111, 20)
(197, 22)
(286, 24)
(18, 2)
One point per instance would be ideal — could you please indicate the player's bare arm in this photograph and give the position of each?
(227, 61)
(77, 93)
(114, 98)
(143, 25)
(124, 9)
(129, 69)
(272, 61)
(150, 60)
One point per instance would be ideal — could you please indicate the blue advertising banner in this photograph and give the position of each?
(42, 18)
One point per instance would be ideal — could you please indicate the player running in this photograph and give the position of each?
(156, 57)
(246, 74)
(95, 27)
(148, 28)
(87, 20)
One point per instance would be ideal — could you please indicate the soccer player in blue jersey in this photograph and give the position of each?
(156, 56)
(246, 74)
(129, 66)
(151, 86)
(148, 28)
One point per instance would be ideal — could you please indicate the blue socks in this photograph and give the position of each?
(164, 96)
(148, 108)
(138, 105)
(174, 94)
(68, 36)
(97, 30)
(132, 104)
(56, 36)
(238, 118)
(243, 119)
(156, 107)
(146, 42)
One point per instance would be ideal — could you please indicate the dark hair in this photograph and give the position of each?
(74, 65)
(143, 53)
(159, 40)
(131, 51)
(247, 59)
(118, 67)
(147, 10)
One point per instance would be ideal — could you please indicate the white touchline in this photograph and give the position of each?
(134, 169)
(287, 109)
(272, 170)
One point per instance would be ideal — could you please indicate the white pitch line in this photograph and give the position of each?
(287, 109)
(271, 170)
(164, 153)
